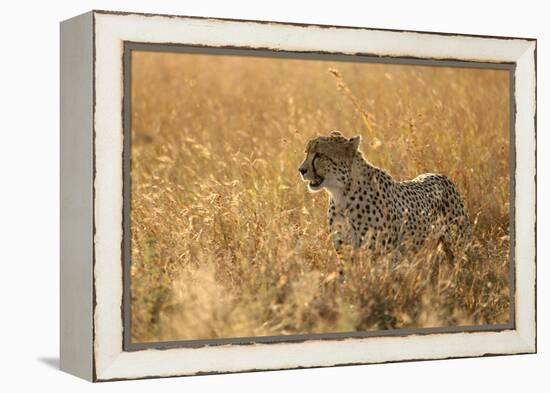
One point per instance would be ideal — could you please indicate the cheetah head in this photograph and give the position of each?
(328, 161)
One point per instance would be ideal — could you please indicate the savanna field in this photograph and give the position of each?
(226, 240)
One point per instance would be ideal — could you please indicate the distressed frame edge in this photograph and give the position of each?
(305, 25)
(527, 340)
(76, 196)
(257, 370)
(526, 138)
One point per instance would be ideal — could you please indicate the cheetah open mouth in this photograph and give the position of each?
(317, 183)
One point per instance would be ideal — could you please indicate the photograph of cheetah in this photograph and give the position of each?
(276, 196)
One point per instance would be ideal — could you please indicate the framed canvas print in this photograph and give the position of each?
(245, 195)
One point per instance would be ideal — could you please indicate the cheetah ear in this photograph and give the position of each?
(355, 141)
(335, 133)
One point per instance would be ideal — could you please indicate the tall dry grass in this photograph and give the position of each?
(227, 241)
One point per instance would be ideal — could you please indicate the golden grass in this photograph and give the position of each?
(228, 242)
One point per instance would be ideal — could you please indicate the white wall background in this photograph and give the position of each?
(29, 198)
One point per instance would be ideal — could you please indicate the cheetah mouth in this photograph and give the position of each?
(317, 183)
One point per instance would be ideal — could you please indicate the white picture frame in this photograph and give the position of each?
(92, 195)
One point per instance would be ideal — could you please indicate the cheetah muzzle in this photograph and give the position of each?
(317, 181)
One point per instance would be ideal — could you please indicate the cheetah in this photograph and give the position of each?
(368, 208)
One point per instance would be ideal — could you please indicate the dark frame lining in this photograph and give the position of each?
(128, 345)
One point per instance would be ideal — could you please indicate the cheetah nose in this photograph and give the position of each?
(302, 171)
